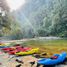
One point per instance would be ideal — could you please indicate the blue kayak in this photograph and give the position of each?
(4, 46)
(52, 61)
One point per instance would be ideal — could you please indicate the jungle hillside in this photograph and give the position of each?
(36, 18)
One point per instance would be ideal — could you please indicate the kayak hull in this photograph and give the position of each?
(32, 51)
(3, 47)
(49, 61)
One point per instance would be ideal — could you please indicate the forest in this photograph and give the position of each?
(37, 18)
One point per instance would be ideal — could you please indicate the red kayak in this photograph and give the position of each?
(19, 49)
(8, 49)
(12, 52)
(16, 48)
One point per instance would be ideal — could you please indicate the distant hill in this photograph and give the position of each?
(43, 17)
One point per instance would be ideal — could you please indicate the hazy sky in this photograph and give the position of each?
(15, 4)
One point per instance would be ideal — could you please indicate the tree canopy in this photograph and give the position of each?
(46, 17)
(34, 18)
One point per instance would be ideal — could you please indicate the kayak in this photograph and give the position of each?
(12, 52)
(8, 49)
(32, 51)
(55, 59)
(14, 49)
(19, 49)
(3, 46)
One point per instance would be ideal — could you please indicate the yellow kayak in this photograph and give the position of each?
(4, 44)
(28, 52)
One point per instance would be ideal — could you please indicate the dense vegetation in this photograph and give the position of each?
(9, 27)
(4, 24)
(43, 18)
(34, 18)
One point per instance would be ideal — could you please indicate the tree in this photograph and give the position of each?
(45, 16)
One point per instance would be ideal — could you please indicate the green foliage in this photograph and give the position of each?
(47, 17)
(38, 18)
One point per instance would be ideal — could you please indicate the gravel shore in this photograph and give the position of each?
(9, 61)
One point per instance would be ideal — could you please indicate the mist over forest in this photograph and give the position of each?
(36, 18)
